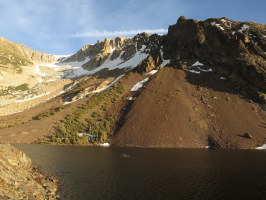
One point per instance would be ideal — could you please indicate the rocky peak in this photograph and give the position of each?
(230, 47)
(117, 51)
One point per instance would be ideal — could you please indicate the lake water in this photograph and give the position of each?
(101, 173)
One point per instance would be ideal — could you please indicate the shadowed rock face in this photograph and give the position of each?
(18, 179)
(233, 49)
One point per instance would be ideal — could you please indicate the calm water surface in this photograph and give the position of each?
(100, 173)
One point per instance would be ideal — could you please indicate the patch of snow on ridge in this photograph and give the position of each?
(244, 27)
(96, 91)
(193, 71)
(198, 70)
(262, 147)
(107, 86)
(197, 63)
(165, 62)
(63, 57)
(207, 70)
(77, 69)
(139, 85)
(217, 25)
(117, 63)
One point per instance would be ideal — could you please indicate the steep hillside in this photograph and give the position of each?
(174, 112)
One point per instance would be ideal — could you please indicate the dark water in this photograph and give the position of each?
(100, 173)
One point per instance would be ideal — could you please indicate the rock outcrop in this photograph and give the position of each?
(19, 180)
(121, 50)
(232, 49)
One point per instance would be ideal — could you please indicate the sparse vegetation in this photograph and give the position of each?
(22, 87)
(8, 59)
(89, 123)
(50, 112)
(10, 89)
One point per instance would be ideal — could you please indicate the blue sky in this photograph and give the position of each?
(64, 26)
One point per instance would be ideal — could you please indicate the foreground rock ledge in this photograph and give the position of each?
(19, 179)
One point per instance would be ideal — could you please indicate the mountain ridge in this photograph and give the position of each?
(213, 59)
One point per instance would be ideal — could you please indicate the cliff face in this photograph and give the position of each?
(18, 179)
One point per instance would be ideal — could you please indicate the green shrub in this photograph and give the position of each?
(96, 126)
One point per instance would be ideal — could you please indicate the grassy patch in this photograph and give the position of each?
(21, 88)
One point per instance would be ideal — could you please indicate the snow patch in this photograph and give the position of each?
(262, 147)
(193, 71)
(112, 49)
(106, 144)
(217, 25)
(139, 85)
(119, 63)
(86, 134)
(222, 78)
(207, 70)
(96, 91)
(244, 27)
(107, 86)
(77, 69)
(197, 63)
(165, 62)
(154, 71)
(130, 98)
(197, 69)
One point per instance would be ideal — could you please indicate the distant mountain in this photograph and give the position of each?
(13, 56)
(203, 84)
(119, 53)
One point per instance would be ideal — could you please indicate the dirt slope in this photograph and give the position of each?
(174, 111)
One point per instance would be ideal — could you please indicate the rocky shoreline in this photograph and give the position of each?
(20, 180)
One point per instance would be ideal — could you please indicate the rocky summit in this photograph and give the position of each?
(201, 85)
(233, 49)
(19, 180)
